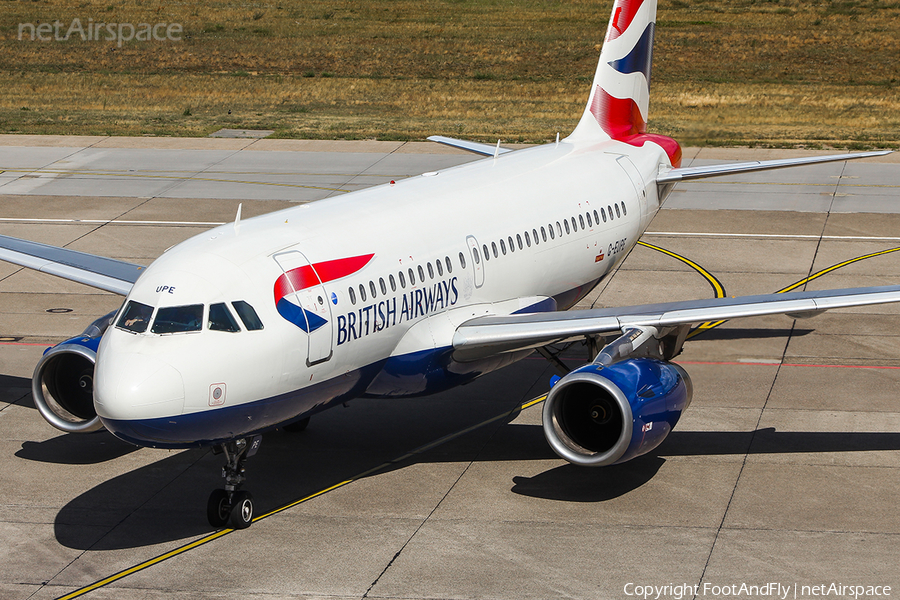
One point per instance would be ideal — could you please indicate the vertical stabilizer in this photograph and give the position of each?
(619, 104)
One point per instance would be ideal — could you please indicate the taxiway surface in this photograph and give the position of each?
(786, 467)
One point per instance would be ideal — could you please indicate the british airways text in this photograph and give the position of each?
(381, 315)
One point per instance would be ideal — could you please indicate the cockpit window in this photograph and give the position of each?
(135, 317)
(220, 319)
(178, 319)
(247, 315)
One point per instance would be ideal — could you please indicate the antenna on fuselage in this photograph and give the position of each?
(497, 149)
(237, 219)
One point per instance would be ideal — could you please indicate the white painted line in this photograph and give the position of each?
(648, 233)
(108, 222)
(773, 235)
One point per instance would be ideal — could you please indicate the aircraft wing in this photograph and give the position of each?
(107, 274)
(486, 336)
(688, 173)
(476, 147)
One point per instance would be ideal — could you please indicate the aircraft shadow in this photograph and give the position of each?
(164, 501)
(16, 390)
(738, 333)
(570, 483)
(77, 449)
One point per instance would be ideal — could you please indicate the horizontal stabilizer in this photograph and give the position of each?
(688, 173)
(107, 274)
(476, 147)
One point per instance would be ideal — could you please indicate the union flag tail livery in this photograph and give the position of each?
(619, 104)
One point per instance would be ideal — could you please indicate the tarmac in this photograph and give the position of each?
(785, 470)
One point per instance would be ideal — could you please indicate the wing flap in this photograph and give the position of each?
(485, 336)
(107, 274)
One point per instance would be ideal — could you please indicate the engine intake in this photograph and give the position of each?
(602, 415)
(63, 382)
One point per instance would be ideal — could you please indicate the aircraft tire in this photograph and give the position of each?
(217, 508)
(241, 510)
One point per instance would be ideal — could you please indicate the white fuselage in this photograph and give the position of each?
(206, 385)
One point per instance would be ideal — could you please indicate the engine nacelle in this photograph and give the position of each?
(602, 415)
(63, 382)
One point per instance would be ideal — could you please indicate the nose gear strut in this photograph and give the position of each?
(232, 506)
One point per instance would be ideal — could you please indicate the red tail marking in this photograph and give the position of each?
(623, 16)
(621, 119)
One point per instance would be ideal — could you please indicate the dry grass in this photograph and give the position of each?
(778, 72)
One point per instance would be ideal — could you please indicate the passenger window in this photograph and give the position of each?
(462, 260)
(372, 289)
(402, 280)
(528, 240)
(503, 246)
(178, 319)
(552, 233)
(494, 249)
(512, 245)
(352, 295)
(382, 285)
(609, 210)
(603, 214)
(519, 240)
(421, 274)
(449, 265)
(617, 211)
(412, 276)
(596, 218)
(362, 293)
(590, 223)
(544, 233)
(440, 267)
(575, 225)
(535, 236)
(430, 271)
(247, 315)
(475, 256)
(624, 212)
(566, 223)
(487, 255)
(558, 229)
(135, 317)
(220, 319)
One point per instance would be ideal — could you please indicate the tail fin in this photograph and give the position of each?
(618, 107)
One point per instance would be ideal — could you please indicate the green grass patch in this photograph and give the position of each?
(739, 71)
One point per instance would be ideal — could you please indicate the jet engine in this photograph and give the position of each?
(63, 382)
(602, 415)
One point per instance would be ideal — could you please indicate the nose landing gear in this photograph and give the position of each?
(232, 506)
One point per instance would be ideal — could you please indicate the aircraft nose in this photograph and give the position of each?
(131, 386)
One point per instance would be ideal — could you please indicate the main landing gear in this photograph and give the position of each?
(232, 506)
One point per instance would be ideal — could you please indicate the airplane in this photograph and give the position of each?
(407, 289)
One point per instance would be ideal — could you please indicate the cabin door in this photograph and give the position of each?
(305, 304)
